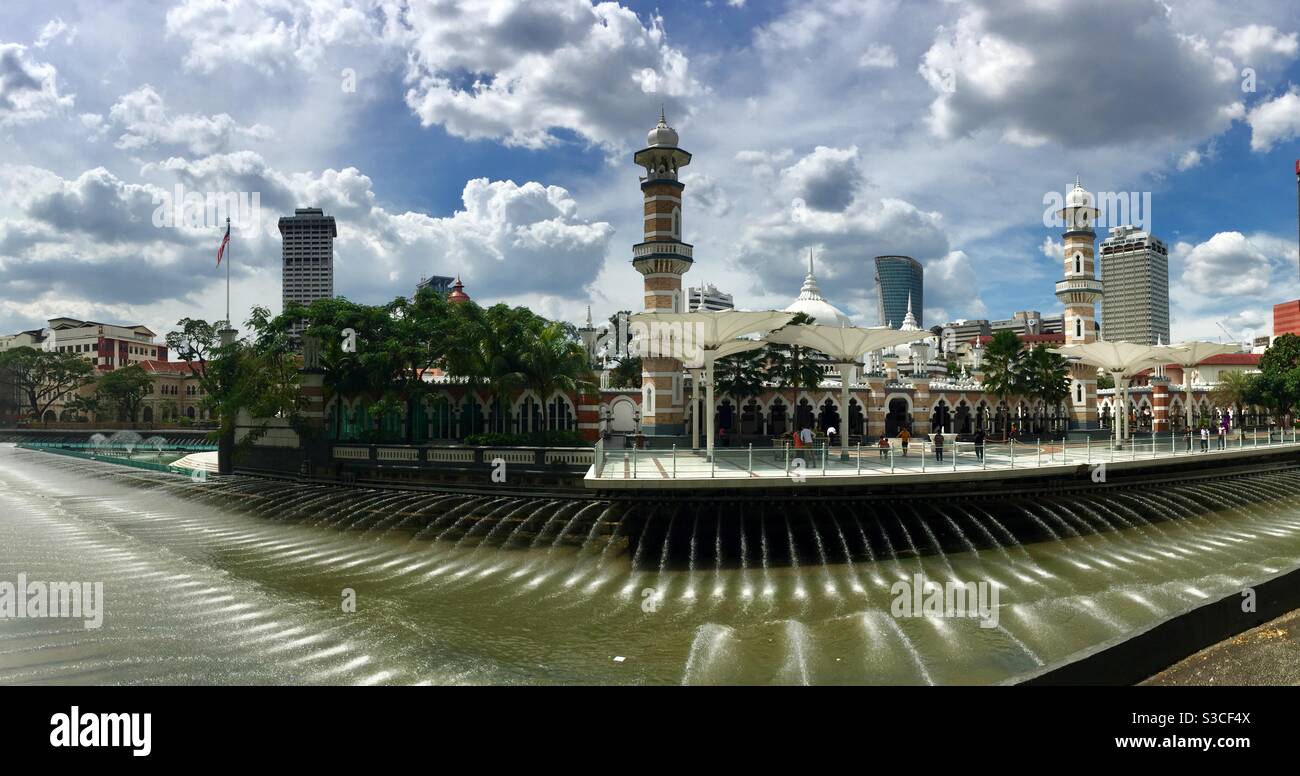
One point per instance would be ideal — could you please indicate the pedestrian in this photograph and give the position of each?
(979, 444)
(722, 437)
(1189, 439)
(903, 437)
(1223, 437)
(883, 444)
(806, 440)
(1205, 440)
(938, 446)
(830, 436)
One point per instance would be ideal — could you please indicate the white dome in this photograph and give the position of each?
(821, 311)
(662, 136)
(814, 305)
(1078, 197)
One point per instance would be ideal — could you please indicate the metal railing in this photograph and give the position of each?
(921, 457)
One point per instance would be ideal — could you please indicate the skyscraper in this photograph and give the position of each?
(899, 280)
(307, 256)
(1135, 277)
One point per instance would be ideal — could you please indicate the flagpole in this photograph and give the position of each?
(229, 258)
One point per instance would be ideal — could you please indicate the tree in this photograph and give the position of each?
(195, 343)
(790, 365)
(88, 405)
(45, 377)
(1233, 390)
(1105, 380)
(1045, 376)
(124, 389)
(627, 373)
(1278, 384)
(740, 375)
(1002, 365)
(556, 360)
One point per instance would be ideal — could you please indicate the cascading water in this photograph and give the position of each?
(247, 576)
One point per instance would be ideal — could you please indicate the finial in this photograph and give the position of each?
(1076, 181)
(909, 301)
(810, 260)
(662, 117)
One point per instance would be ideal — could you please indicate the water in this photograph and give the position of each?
(241, 580)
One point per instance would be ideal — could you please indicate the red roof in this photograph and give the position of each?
(166, 367)
(1031, 339)
(1233, 359)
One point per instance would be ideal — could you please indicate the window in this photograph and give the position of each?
(1078, 327)
(1078, 263)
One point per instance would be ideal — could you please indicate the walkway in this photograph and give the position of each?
(733, 467)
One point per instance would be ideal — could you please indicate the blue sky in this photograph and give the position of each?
(493, 138)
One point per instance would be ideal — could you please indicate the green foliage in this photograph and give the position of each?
(627, 373)
(1105, 380)
(741, 374)
(122, 389)
(1278, 384)
(789, 365)
(1045, 375)
(1003, 365)
(44, 377)
(1235, 388)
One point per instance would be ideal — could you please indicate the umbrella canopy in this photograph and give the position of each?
(1188, 354)
(694, 338)
(843, 344)
(1121, 358)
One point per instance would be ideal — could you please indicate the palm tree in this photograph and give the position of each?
(1045, 376)
(555, 361)
(1234, 390)
(1003, 373)
(740, 375)
(789, 365)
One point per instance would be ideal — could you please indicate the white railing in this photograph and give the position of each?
(351, 453)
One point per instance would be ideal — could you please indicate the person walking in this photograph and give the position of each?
(1205, 440)
(979, 444)
(1223, 437)
(806, 441)
(903, 437)
(883, 444)
(938, 446)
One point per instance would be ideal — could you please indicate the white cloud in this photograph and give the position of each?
(1032, 71)
(1257, 45)
(1191, 158)
(52, 30)
(1274, 121)
(881, 56)
(29, 90)
(1227, 264)
(273, 35)
(519, 71)
(144, 120)
(825, 179)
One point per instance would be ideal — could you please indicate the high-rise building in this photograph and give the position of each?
(1286, 318)
(662, 258)
(900, 280)
(1079, 291)
(307, 256)
(1135, 277)
(1030, 322)
(707, 298)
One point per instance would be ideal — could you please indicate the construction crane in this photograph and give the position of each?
(1231, 337)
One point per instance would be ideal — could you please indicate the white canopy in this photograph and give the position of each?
(1123, 359)
(843, 344)
(1189, 354)
(693, 338)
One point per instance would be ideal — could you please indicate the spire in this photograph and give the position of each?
(588, 316)
(810, 261)
(663, 119)
(1077, 185)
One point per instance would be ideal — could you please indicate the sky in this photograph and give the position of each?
(493, 139)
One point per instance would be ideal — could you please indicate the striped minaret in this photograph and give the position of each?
(662, 259)
(1079, 291)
